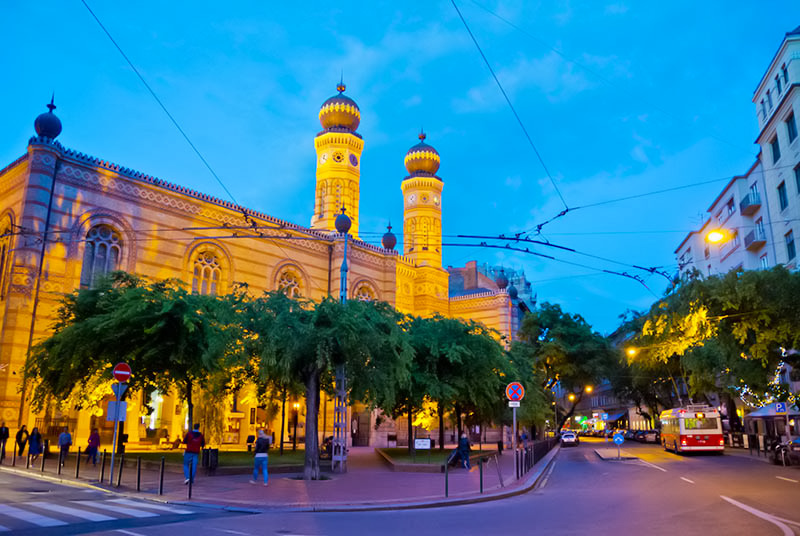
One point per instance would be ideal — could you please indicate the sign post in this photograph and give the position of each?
(781, 409)
(619, 439)
(514, 393)
(604, 417)
(121, 372)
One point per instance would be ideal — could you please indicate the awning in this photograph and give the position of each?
(768, 411)
(616, 416)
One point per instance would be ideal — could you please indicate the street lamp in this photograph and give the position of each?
(716, 236)
(571, 397)
(589, 389)
(632, 351)
(339, 446)
(296, 407)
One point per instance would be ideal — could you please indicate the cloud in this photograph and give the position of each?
(616, 9)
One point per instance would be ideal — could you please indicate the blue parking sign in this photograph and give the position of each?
(780, 408)
(604, 416)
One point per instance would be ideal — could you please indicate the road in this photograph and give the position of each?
(659, 493)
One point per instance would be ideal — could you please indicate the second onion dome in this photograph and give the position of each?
(47, 124)
(340, 112)
(342, 222)
(422, 159)
(389, 240)
(501, 281)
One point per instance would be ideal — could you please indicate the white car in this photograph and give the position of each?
(569, 438)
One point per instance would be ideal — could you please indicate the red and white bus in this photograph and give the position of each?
(690, 429)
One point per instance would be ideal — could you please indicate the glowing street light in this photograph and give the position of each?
(632, 351)
(715, 236)
(589, 389)
(571, 397)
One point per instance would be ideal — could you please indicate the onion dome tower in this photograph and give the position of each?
(389, 240)
(338, 148)
(422, 213)
(47, 125)
(501, 280)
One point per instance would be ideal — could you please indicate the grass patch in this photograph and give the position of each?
(227, 458)
(437, 457)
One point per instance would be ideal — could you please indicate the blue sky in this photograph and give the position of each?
(649, 97)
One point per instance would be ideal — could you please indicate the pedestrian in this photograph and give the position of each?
(524, 439)
(35, 446)
(64, 443)
(3, 438)
(463, 451)
(93, 446)
(195, 442)
(261, 457)
(21, 438)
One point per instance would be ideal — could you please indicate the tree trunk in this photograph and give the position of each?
(410, 429)
(189, 404)
(311, 467)
(458, 422)
(441, 425)
(283, 418)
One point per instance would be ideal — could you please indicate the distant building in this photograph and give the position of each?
(760, 210)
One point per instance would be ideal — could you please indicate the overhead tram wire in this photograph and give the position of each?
(164, 108)
(513, 110)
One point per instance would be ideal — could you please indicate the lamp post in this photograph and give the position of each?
(296, 407)
(339, 447)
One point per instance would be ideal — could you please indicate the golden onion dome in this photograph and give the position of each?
(422, 159)
(340, 112)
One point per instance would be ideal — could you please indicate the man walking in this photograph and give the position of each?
(93, 446)
(22, 440)
(3, 438)
(64, 443)
(195, 442)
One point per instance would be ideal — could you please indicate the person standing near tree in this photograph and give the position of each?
(35, 446)
(22, 438)
(261, 457)
(3, 438)
(195, 442)
(64, 443)
(93, 446)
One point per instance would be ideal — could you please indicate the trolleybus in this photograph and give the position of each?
(692, 428)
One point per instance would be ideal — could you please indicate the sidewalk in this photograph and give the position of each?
(369, 484)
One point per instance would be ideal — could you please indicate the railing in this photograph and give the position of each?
(529, 455)
(750, 203)
(755, 238)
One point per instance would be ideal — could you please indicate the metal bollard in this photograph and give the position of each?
(14, 455)
(446, 480)
(60, 460)
(480, 468)
(28, 461)
(121, 465)
(161, 478)
(103, 467)
(191, 478)
(44, 457)
(138, 473)
(78, 463)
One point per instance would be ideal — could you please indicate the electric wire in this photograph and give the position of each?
(511, 105)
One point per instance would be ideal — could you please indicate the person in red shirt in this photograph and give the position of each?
(195, 442)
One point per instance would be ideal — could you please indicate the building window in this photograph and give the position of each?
(776, 149)
(785, 74)
(763, 110)
(730, 206)
(797, 178)
(706, 252)
(207, 274)
(5, 246)
(764, 262)
(790, 249)
(289, 283)
(778, 83)
(736, 239)
(760, 227)
(101, 254)
(754, 189)
(783, 200)
(791, 128)
(769, 99)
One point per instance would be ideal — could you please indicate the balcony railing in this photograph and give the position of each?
(750, 204)
(755, 239)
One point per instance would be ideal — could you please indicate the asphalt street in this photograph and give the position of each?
(659, 493)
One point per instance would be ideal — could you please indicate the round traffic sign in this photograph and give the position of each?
(619, 439)
(515, 391)
(121, 372)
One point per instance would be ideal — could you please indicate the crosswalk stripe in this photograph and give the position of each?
(103, 505)
(30, 517)
(151, 506)
(4, 529)
(83, 514)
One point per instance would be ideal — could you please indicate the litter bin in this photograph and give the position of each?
(500, 447)
(210, 460)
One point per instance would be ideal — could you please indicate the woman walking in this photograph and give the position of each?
(93, 446)
(35, 446)
(22, 438)
(261, 457)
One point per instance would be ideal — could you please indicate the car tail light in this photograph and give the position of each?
(721, 442)
(683, 442)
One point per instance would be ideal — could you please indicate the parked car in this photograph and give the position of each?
(629, 434)
(569, 439)
(638, 435)
(651, 436)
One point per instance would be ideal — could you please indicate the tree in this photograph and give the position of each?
(565, 350)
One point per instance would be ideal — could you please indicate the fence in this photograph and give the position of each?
(528, 455)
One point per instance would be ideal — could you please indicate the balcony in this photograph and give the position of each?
(755, 240)
(750, 204)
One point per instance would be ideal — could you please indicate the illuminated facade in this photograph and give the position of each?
(67, 218)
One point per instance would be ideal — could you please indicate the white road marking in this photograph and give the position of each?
(787, 479)
(30, 517)
(4, 529)
(547, 476)
(129, 532)
(103, 505)
(787, 521)
(687, 480)
(83, 514)
(653, 465)
(787, 531)
(247, 533)
(151, 506)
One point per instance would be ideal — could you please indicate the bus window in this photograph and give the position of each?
(700, 424)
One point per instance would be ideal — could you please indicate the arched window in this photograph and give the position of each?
(207, 273)
(289, 283)
(364, 292)
(5, 246)
(101, 254)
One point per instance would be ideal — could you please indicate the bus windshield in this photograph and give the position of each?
(691, 423)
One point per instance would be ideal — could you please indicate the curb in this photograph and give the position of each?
(622, 458)
(55, 479)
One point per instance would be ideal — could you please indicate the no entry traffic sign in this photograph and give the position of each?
(515, 391)
(122, 372)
